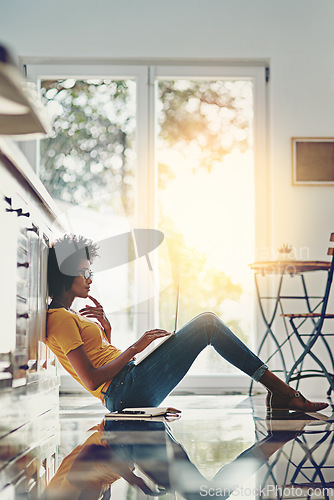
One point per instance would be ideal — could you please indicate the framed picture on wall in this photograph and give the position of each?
(313, 160)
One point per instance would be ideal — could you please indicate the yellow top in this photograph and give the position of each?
(67, 330)
(79, 471)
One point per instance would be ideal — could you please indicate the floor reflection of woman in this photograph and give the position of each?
(84, 347)
(109, 454)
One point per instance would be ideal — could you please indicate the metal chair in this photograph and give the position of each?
(317, 318)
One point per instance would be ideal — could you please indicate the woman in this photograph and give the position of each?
(84, 349)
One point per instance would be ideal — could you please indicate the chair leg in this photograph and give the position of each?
(307, 351)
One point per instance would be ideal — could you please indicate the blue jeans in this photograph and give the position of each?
(150, 382)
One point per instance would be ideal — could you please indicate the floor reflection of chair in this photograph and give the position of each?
(301, 466)
(312, 473)
(297, 372)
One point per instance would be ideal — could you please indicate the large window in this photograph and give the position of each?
(179, 149)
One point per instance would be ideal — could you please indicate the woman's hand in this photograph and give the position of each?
(148, 338)
(97, 312)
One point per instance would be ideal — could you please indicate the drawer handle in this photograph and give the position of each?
(24, 315)
(33, 228)
(24, 264)
(27, 214)
(19, 212)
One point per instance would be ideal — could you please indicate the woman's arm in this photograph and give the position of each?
(92, 377)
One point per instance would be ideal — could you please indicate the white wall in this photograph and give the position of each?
(296, 37)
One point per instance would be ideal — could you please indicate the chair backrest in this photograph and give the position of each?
(330, 251)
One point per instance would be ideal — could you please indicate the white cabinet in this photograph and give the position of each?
(29, 384)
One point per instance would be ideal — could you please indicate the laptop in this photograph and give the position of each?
(163, 339)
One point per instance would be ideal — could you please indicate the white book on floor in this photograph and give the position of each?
(147, 412)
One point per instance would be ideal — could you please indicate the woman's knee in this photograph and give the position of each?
(207, 317)
(201, 326)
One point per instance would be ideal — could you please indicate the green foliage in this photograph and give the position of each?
(202, 287)
(213, 116)
(90, 151)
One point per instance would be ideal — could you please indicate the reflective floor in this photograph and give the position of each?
(222, 446)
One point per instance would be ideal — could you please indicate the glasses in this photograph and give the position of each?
(86, 273)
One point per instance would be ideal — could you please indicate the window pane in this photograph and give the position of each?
(87, 165)
(206, 203)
